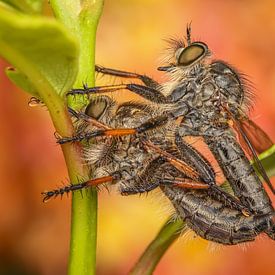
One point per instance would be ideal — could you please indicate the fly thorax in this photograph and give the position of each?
(228, 83)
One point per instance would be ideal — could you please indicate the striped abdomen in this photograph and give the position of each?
(239, 173)
(212, 220)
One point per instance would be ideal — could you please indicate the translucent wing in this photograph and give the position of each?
(260, 140)
(254, 140)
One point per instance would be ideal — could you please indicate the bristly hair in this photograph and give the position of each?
(174, 43)
(248, 89)
(246, 85)
(249, 92)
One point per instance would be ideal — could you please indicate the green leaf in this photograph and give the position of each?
(27, 6)
(81, 18)
(41, 48)
(21, 81)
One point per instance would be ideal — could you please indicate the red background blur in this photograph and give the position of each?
(34, 237)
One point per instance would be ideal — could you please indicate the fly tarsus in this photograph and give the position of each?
(227, 199)
(79, 186)
(47, 195)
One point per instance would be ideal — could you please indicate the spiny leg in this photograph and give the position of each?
(146, 92)
(74, 187)
(177, 163)
(148, 181)
(133, 190)
(227, 199)
(213, 190)
(177, 182)
(144, 78)
(82, 116)
(148, 125)
(184, 183)
(147, 177)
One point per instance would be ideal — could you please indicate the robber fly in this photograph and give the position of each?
(206, 95)
(138, 164)
(210, 97)
(125, 160)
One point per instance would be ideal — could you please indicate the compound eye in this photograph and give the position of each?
(96, 108)
(192, 53)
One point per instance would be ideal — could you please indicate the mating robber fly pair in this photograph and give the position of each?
(140, 146)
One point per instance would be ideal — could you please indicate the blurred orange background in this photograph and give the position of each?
(34, 237)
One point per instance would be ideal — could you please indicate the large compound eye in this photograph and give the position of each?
(192, 53)
(96, 108)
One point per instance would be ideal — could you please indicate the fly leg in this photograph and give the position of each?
(179, 182)
(148, 180)
(82, 116)
(148, 125)
(227, 199)
(143, 183)
(118, 73)
(177, 163)
(47, 195)
(213, 191)
(146, 92)
(185, 183)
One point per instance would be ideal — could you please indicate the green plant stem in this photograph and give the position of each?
(155, 250)
(81, 17)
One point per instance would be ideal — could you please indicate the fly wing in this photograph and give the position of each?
(254, 140)
(260, 140)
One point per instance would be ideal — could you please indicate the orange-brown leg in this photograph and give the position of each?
(148, 125)
(213, 190)
(177, 163)
(47, 195)
(89, 119)
(185, 183)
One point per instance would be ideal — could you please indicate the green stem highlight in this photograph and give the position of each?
(155, 250)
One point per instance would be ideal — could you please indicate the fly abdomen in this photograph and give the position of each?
(212, 220)
(239, 172)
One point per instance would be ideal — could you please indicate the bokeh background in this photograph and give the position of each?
(34, 237)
